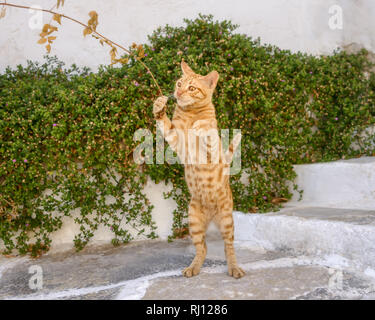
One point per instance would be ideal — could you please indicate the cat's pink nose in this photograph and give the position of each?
(179, 93)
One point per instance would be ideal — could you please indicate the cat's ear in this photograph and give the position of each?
(211, 79)
(186, 69)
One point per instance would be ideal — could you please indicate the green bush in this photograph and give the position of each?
(66, 135)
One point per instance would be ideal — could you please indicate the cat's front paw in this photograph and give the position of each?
(160, 107)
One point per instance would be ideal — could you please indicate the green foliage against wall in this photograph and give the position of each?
(66, 135)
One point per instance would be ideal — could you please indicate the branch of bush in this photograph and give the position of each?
(89, 28)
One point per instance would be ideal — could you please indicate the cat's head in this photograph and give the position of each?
(194, 90)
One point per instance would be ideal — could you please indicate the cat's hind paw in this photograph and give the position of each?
(236, 272)
(191, 271)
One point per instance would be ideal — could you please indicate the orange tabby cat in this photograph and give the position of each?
(193, 129)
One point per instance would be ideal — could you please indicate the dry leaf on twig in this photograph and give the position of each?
(57, 17)
(60, 2)
(86, 31)
(2, 13)
(93, 22)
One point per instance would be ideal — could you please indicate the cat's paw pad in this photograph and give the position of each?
(160, 107)
(191, 271)
(236, 272)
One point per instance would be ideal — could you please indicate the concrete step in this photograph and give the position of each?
(152, 270)
(348, 234)
(338, 184)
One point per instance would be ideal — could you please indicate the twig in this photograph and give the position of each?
(94, 31)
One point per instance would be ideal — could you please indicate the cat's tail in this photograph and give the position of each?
(236, 141)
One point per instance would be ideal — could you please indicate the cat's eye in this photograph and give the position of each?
(191, 88)
(179, 84)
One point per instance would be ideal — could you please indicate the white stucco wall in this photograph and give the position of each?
(337, 184)
(299, 25)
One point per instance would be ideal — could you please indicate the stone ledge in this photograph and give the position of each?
(314, 231)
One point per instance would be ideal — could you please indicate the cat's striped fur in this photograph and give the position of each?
(211, 197)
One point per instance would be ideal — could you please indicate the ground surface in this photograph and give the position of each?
(152, 270)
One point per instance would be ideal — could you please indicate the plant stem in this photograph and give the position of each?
(94, 31)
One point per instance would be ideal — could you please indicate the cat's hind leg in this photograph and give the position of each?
(224, 220)
(197, 230)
